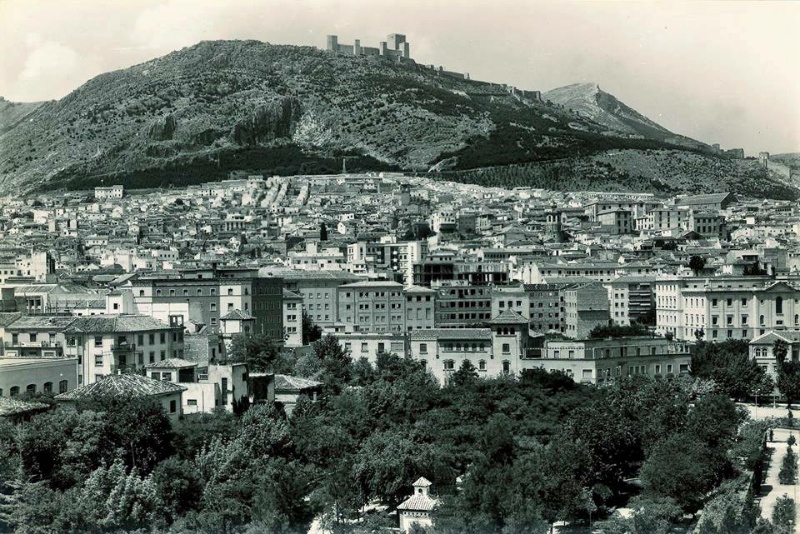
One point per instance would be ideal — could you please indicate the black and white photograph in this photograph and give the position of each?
(407, 267)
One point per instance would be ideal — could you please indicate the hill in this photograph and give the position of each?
(195, 114)
(588, 100)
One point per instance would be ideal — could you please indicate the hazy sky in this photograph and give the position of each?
(726, 72)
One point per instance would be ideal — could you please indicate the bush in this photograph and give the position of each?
(783, 514)
(788, 472)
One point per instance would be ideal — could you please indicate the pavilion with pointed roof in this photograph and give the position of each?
(418, 507)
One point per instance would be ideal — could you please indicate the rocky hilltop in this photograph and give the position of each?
(197, 113)
(591, 102)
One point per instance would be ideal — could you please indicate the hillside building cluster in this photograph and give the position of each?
(157, 286)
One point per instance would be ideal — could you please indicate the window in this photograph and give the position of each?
(14, 392)
(98, 359)
(31, 389)
(155, 375)
(213, 307)
(506, 367)
(199, 292)
(98, 341)
(213, 292)
(166, 377)
(185, 292)
(152, 357)
(141, 292)
(15, 339)
(224, 387)
(423, 348)
(448, 365)
(779, 305)
(713, 302)
(506, 348)
(48, 387)
(171, 292)
(140, 339)
(482, 365)
(230, 291)
(158, 292)
(33, 337)
(163, 355)
(163, 337)
(364, 347)
(173, 406)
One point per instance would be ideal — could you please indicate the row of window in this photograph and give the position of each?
(14, 391)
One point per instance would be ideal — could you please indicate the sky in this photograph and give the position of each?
(719, 71)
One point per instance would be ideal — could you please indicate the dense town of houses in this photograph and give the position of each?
(144, 291)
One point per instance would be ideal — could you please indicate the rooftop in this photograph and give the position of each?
(294, 383)
(122, 385)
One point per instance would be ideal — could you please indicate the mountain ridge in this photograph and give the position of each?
(194, 114)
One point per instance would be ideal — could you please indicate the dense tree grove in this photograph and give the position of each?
(504, 455)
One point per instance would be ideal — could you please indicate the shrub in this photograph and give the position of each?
(788, 472)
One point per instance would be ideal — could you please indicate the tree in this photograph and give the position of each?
(780, 349)
(465, 375)
(729, 365)
(336, 364)
(323, 232)
(696, 264)
(683, 468)
(258, 351)
(311, 332)
(788, 382)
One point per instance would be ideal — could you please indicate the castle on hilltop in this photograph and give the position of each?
(395, 47)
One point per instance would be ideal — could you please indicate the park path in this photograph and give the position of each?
(771, 488)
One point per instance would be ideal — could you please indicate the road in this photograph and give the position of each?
(772, 489)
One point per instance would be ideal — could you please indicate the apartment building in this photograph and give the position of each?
(105, 345)
(459, 303)
(376, 306)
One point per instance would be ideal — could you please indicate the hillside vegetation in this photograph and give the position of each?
(198, 113)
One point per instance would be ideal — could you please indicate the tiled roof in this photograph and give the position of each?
(451, 333)
(711, 198)
(38, 322)
(294, 383)
(9, 406)
(236, 315)
(98, 324)
(6, 318)
(122, 385)
(172, 363)
(418, 502)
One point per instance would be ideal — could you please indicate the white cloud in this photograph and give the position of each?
(50, 63)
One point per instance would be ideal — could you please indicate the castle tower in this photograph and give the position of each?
(406, 50)
(395, 40)
(357, 48)
(333, 43)
(384, 48)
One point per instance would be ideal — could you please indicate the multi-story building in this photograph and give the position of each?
(586, 307)
(462, 304)
(107, 345)
(631, 299)
(597, 361)
(292, 319)
(494, 350)
(420, 308)
(729, 307)
(510, 297)
(544, 307)
(377, 306)
(204, 301)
